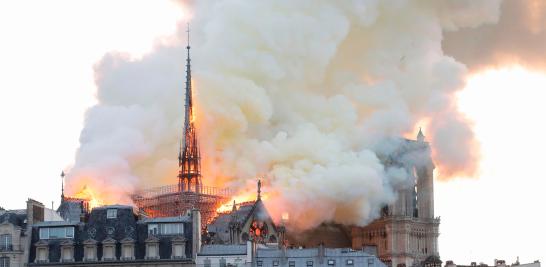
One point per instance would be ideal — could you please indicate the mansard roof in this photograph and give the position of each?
(185, 218)
(71, 210)
(211, 250)
(15, 217)
(55, 223)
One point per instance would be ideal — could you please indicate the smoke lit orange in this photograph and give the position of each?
(88, 194)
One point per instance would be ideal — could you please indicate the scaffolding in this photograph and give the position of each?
(170, 201)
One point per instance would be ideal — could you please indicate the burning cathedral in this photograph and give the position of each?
(405, 234)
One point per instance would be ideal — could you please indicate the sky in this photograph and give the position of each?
(47, 84)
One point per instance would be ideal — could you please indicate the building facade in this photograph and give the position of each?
(407, 232)
(260, 255)
(14, 228)
(115, 236)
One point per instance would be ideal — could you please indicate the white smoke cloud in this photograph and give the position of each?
(300, 92)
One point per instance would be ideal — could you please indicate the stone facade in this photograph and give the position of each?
(12, 239)
(14, 228)
(407, 232)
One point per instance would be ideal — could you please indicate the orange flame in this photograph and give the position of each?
(241, 198)
(88, 194)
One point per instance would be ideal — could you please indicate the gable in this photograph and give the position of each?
(259, 222)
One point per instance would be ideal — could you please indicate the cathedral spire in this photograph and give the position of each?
(189, 158)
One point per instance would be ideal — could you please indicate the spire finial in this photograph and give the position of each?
(259, 189)
(188, 31)
(62, 185)
(420, 136)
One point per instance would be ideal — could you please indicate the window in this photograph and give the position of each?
(5, 243)
(350, 262)
(42, 254)
(127, 251)
(4, 262)
(259, 263)
(222, 262)
(331, 262)
(179, 250)
(56, 232)
(207, 262)
(309, 263)
(165, 229)
(111, 213)
(275, 263)
(171, 229)
(153, 229)
(291, 264)
(67, 254)
(108, 252)
(370, 261)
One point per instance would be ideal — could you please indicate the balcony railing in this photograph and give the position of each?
(6, 247)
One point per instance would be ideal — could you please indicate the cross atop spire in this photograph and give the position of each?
(188, 31)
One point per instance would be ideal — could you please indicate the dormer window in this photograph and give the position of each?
(57, 232)
(111, 213)
(165, 229)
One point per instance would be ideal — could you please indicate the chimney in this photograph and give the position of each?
(321, 253)
(196, 232)
(250, 253)
(35, 212)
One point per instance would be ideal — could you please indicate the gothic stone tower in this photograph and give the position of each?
(407, 232)
(189, 158)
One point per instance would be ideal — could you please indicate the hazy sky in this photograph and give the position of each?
(47, 83)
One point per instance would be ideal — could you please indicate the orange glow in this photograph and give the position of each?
(240, 198)
(228, 206)
(90, 195)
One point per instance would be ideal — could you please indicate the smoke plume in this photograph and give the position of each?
(298, 92)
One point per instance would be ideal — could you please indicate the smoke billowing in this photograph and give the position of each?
(298, 92)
